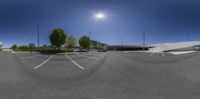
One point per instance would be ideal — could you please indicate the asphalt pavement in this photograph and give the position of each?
(101, 75)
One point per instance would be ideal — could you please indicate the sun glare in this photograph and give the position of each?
(99, 16)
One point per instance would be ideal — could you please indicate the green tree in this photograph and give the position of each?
(71, 42)
(85, 42)
(31, 46)
(13, 47)
(98, 46)
(57, 37)
(44, 46)
(23, 48)
(52, 47)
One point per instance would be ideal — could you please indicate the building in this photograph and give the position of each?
(126, 47)
(178, 46)
(164, 47)
(98, 45)
(1, 44)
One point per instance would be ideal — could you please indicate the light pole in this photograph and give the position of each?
(144, 39)
(122, 39)
(38, 36)
(188, 37)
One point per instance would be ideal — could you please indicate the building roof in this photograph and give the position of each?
(125, 46)
(173, 46)
(97, 42)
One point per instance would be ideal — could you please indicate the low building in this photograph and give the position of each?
(126, 47)
(98, 45)
(178, 46)
(1, 44)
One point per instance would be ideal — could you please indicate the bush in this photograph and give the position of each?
(23, 48)
(55, 50)
(31, 46)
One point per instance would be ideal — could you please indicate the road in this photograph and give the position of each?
(110, 75)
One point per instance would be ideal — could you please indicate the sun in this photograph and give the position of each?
(99, 16)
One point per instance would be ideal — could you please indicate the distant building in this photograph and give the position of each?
(1, 44)
(178, 46)
(126, 47)
(98, 45)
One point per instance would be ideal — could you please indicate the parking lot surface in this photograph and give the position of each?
(100, 75)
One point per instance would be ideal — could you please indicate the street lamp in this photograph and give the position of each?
(144, 39)
(38, 36)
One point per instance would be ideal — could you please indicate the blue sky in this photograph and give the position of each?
(164, 21)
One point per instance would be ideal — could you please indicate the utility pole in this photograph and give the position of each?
(38, 36)
(144, 39)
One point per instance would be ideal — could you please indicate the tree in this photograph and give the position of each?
(23, 48)
(31, 46)
(52, 47)
(99, 46)
(85, 42)
(13, 47)
(44, 46)
(71, 42)
(57, 37)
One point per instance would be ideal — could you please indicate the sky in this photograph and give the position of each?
(163, 20)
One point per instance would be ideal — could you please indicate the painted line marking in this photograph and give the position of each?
(126, 52)
(162, 54)
(135, 52)
(151, 54)
(130, 51)
(157, 52)
(74, 62)
(44, 62)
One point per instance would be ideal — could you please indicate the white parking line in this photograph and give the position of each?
(74, 62)
(44, 62)
(125, 52)
(158, 53)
